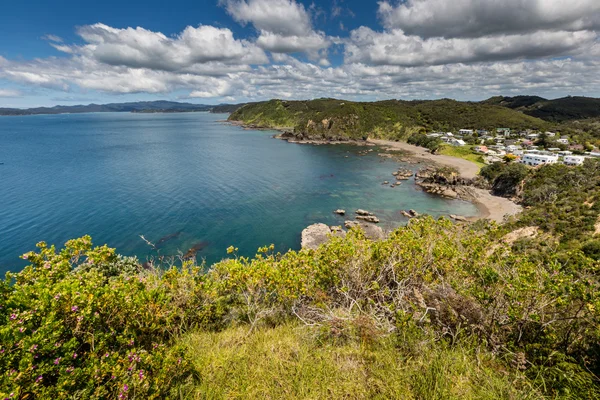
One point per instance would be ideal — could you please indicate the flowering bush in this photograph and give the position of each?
(68, 329)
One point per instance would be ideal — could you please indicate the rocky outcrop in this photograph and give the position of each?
(339, 211)
(317, 234)
(368, 218)
(459, 218)
(371, 231)
(442, 181)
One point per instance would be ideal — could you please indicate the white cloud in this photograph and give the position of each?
(399, 62)
(52, 38)
(396, 48)
(284, 26)
(10, 93)
(141, 48)
(472, 18)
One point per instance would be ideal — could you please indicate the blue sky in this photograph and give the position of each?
(70, 52)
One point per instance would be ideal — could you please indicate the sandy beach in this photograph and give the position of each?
(491, 207)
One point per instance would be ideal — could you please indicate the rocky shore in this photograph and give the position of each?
(460, 184)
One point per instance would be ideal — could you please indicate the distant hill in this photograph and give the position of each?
(140, 106)
(392, 119)
(558, 110)
(227, 108)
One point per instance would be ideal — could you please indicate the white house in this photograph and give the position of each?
(550, 134)
(562, 140)
(511, 149)
(573, 160)
(503, 131)
(538, 159)
(533, 136)
(457, 142)
(465, 132)
(565, 153)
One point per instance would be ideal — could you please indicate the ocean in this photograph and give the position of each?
(186, 178)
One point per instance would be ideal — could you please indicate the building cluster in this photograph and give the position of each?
(520, 144)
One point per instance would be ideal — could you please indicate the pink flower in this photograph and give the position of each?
(24, 256)
(57, 361)
(74, 308)
(74, 355)
(70, 369)
(13, 316)
(47, 265)
(38, 379)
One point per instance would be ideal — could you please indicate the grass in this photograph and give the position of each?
(464, 152)
(291, 362)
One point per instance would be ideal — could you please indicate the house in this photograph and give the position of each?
(527, 143)
(511, 149)
(554, 149)
(503, 131)
(550, 134)
(565, 153)
(434, 135)
(535, 160)
(482, 132)
(481, 149)
(457, 142)
(573, 160)
(533, 136)
(562, 141)
(465, 132)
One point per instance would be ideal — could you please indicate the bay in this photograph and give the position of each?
(186, 178)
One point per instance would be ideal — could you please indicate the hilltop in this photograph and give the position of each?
(333, 119)
(558, 110)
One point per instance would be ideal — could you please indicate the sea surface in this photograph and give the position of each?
(186, 178)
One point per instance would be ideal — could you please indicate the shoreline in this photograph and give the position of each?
(490, 207)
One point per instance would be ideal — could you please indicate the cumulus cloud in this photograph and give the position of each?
(472, 18)
(141, 48)
(477, 59)
(284, 26)
(397, 48)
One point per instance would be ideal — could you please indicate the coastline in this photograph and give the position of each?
(490, 207)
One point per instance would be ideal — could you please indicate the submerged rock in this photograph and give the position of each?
(340, 212)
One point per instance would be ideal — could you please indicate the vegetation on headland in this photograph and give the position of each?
(558, 110)
(331, 119)
(435, 310)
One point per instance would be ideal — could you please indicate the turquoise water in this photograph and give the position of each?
(185, 177)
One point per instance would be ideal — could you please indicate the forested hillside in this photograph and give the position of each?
(392, 119)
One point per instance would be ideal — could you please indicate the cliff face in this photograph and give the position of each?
(330, 119)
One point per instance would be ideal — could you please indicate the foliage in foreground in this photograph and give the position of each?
(85, 323)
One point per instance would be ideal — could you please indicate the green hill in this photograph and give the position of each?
(393, 119)
(558, 110)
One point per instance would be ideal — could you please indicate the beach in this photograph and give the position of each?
(491, 207)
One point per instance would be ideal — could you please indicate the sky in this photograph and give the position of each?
(229, 51)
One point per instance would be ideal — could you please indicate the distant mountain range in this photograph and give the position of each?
(137, 107)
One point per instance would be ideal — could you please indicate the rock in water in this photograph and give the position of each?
(413, 213)
(363, 212)
(317, 234)
(340, 212)
(372, 231)
(368, 218)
